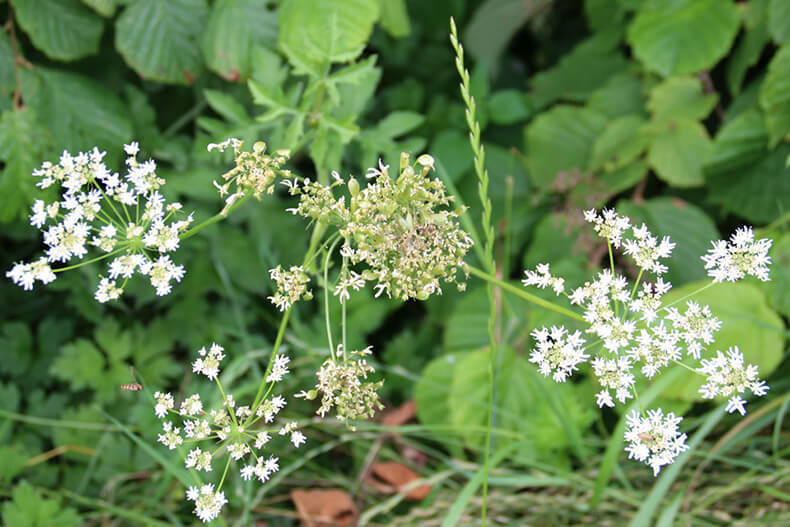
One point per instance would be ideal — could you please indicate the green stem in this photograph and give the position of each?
(529, 297)
(326, 298)
(225, 473)
(214, 219)
(86, 262)
(277, 342)
(701, 289)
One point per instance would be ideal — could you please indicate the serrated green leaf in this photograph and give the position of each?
(620, 143)
(432, 395)
(227, 106)
(315, 34)
(14, 458)
(750, 47)
(775, 96)
(79, 112)
(678, 152)
(21, 140)
(686, 224)
(159, 40)
(621, 95)
(105, 8)
(395, 17)
(601, 14)
(779, 21)
(509, 107)
(80, 363)
(739, 144)
(28, 509)
(234, 28)
(758, 192)
(16, 348)
(561, 140)
(62, 29)
(683, 36)
(579, 73)
(747, 322)
(680, 98)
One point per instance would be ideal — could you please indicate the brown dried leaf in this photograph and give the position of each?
(401, 415)
(325, 508)
(391, 477)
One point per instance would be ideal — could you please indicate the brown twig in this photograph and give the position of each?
(19, 60)
(710, 88)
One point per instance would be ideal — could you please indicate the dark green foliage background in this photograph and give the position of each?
(675, 111)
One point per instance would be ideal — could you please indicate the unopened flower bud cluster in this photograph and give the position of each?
(341, 385)
(230, 428)
(124, 218)
(637, 332)
(399, 228)
(254, 172)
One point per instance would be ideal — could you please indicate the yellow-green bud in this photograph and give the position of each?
(353, 187)
(259, 147)
(422, 295)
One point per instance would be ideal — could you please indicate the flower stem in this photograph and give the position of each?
(529, 297)
(214, 219)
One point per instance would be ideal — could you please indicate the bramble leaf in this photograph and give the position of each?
(160, 40)
(62, 29)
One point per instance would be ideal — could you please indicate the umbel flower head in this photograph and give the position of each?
(124, 218)
(341, 385)
(242, 432)
(638, 333)
(399, 228)
(254, 174)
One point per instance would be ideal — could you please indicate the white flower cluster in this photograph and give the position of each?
(636, 330)
(124, 218)
(291, 286)
(654, 439)
(741, 256)
(341, 385)
(233, 428)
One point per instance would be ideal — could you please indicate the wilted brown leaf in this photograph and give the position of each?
(391, 477)
(400, 415)
(325, 508)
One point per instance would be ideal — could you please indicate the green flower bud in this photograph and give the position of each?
(353, 186)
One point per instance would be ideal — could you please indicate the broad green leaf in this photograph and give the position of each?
(432, 396)
(452, 148)
(79, 112)
(678, 153)
(28, 509)
(21, 140)
(687, 225)
(683, 36)
(601, 14)
(621, 95)
(758, 192)
(14, 458)
(395, 17)
(580, 72)
(680, 98)
(379, 141)
(561, 140)
(778, 288)
(527, 404)
(750, 47)
(619, 144)
(603, 186)
(234, 28)
(105, 8)
(7, 78)
(509, 107)
(747, 322)
(315, 34)
(159, 40)
(779, 21)
(62, 29)
(227, 106)
(775, 96)
(739, 144)
(493, 24)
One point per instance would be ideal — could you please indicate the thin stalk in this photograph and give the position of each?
(488, 261)
(214, 219)
(529, 297)
(326, 297)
